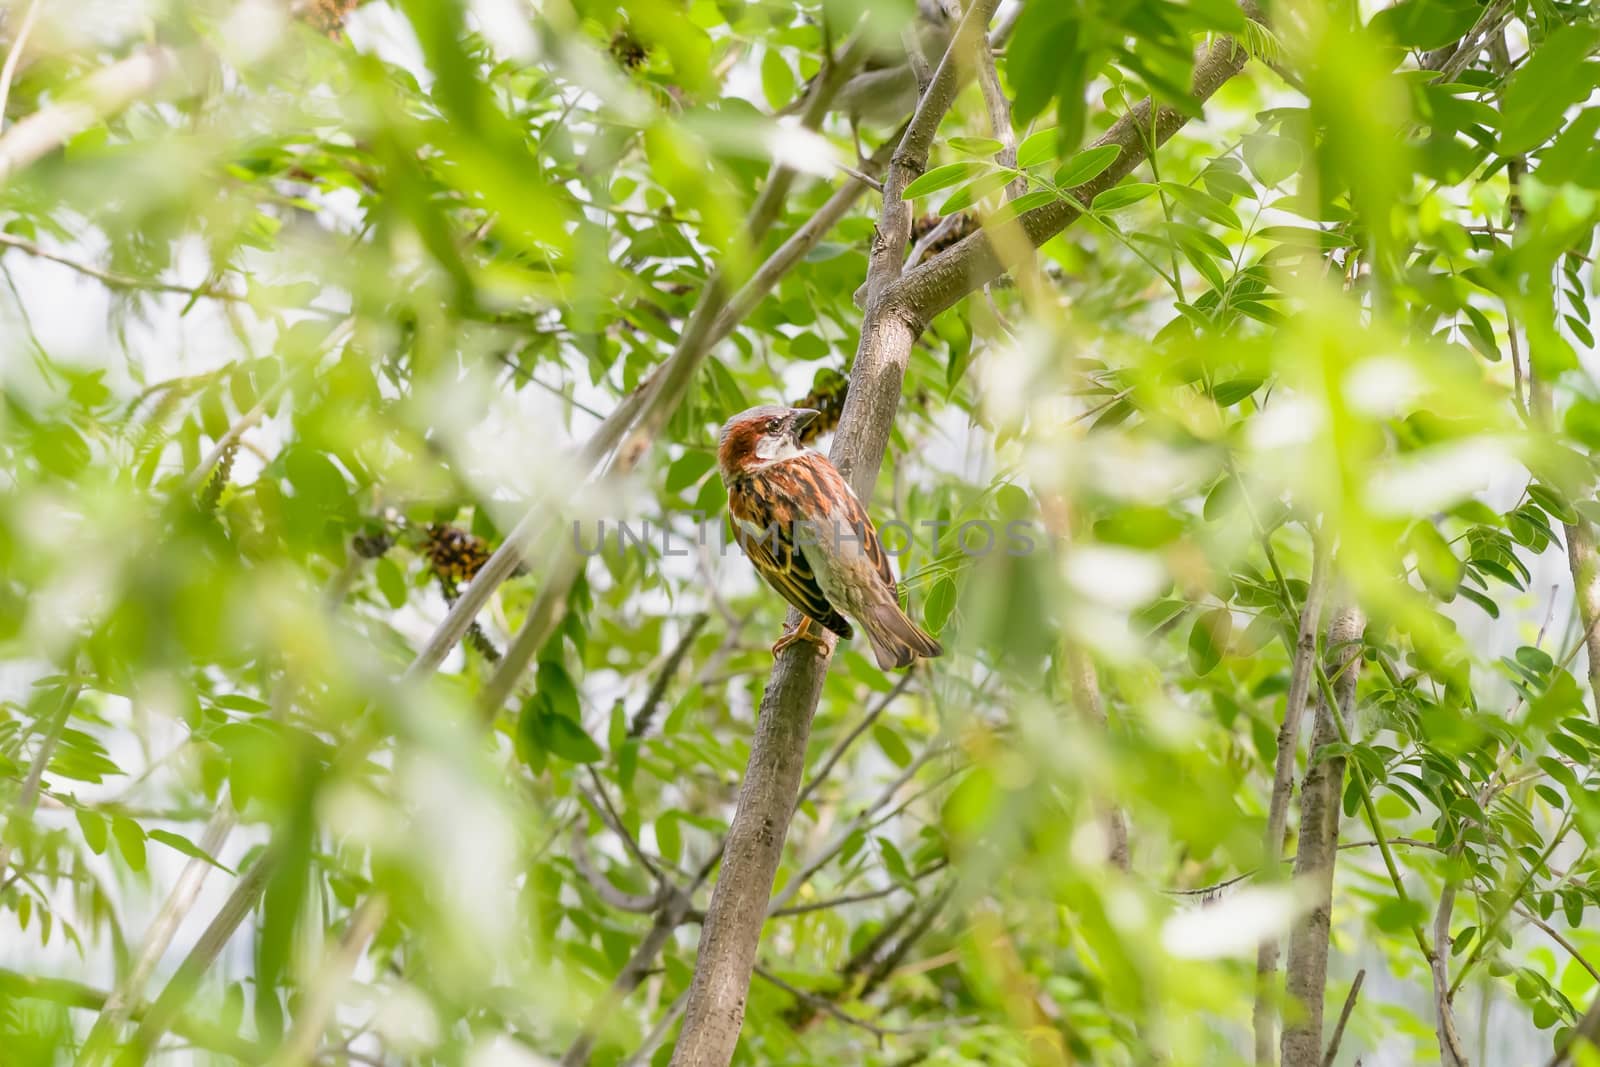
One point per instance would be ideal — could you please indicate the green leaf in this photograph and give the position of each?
(889, 741)
(554, 684)
(1437, 564)
(688, 469)
(1538, 95)
(943, 177)
(391, 583)
(975, 146)
(974, 191)
(1272, 158)
(130, 840)
(1087, 165)
(93, 825)
(1037, 148)
(564, 737)
(1208, 637)
(315, 479)
(1553, 503)
(1203, 204)
(777, 80)
(1121, 196)
(669, 836)
(940, 603)
(1426, 24)
(187, 847)
(1230, 392)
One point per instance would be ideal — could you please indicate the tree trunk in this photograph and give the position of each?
(1320, 796)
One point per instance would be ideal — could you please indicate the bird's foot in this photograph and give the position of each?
(803, 632)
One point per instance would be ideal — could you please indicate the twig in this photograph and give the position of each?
(319, 1002)
(658, 1032)
(1344, 1017)
(865, 179)
(994, 99)
(159, 935)
(112, 279)
(246, 892)
(857, 898)
(22, 811)
(602, 803)
(645, 716)
(1556, 936)
(1451, 1053)
(798, 881)
(1306, 974)
(14, 56)
(828, 1006)
(197, 478)
(843, 746)
(608, 893)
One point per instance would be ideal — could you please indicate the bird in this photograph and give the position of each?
(804, 529)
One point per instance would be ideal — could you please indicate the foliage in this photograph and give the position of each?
(298, 329)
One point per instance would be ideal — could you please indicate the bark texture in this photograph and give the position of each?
(1307, 980)
(1265, 1014)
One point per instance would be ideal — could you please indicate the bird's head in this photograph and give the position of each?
(761, 435)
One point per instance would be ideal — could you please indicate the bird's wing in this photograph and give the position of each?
(828, 502)
(764, 526)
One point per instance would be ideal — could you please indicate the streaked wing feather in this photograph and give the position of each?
(828, 486)
(760, 503)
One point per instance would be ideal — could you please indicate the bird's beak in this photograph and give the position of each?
(800, 418)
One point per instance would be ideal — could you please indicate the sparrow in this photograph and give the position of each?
(799, 522)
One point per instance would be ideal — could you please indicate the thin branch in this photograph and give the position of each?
(14, 56)
(246, 893)
(1556, 936)
(112, 279)
(1451, 1054)
(317, 1006)
(157, 938)
(837, 752)
(828, 1006)
(973, 262)
(999, 108)
(22, 811)
(602, 803)
(856, 898)
(602, 886)
(645, 716)
(793, 886)
(658, 1033)
(1305, 656)
(1344, 1017)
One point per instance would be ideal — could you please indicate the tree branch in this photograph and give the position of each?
(1344, 1017)
(896, 309)
(1305, 656)
(102, 94)
(1319, 839)
(971, 263)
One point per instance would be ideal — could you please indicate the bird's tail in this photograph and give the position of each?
(896, 640)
